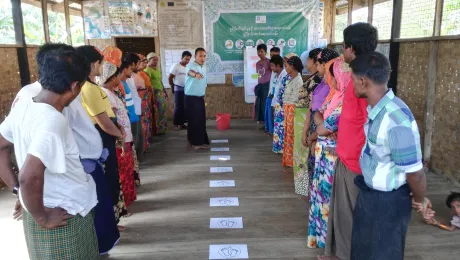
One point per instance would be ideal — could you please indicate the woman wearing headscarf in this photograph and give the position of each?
(142, 90)
(327, 121)
(110, 81)
(302, 115)
(278, 115)
(294, 69)
(318, 96)
(160, 125)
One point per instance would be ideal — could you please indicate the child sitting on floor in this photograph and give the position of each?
(453, 202)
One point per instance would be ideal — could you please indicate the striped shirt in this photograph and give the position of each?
(392, 148)
(130, 103)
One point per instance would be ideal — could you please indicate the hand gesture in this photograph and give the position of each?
(333, 136)
(17, 211)
(199, 76)
(431, 221)
(304, 140)
(55, 217)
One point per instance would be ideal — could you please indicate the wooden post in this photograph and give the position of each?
(430, 98)
(45, 19)
(370, 8)
(350, 11)
(23, 62)
(334, 13)
(67, 22)
(394, 46)
(438, 18)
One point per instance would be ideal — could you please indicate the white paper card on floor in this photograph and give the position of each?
(220, 149)
(226, 222)
(220, 169)
(235, 251)
(220, 157)
(222, 183)
(221, 141)
(224, 202)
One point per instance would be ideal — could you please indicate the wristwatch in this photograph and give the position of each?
(16, 189)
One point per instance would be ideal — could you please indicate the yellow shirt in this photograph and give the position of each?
(95, 101)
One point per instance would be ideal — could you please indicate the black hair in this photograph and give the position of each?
(91, 53)
(372, 65)
(275, 49)
(313, 54)
(130, 58)
(453, 196)
(331, 70)
(186, 53)
(116, 74)
(277, 60)
(45, 48)
(327, 55)
(61, 68)
(296, 63)
(362, 37)
(199, 49)
(262, 47)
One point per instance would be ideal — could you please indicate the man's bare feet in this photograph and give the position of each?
(323, 257)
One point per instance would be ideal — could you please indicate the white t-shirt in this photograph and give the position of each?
(40, 130)
(87, 137)
(179, 72)
(136, 99)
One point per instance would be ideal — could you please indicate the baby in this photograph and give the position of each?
(453, 202)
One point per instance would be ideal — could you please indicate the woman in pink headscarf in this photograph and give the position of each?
(327, 120)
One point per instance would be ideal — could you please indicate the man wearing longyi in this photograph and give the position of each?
(195, 89)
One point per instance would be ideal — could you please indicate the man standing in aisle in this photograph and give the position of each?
(57, 195)
(263, 86)
(195, 89)
(133, 60)
(391, 163)
(177, 83)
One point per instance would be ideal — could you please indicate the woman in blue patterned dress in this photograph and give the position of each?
(327, 121)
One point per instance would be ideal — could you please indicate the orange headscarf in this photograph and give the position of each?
(329, 79)
(113, 55)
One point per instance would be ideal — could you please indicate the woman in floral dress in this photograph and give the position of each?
(327, 121)
(302, 115)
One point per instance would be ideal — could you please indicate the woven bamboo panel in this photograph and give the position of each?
(33, 67)
(220, 99)
(446, 136)
(412, 78)
(11, 81)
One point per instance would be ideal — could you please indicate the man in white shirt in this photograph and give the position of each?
(136, 128)
(57, 195)
(177, 83)
(90, 148)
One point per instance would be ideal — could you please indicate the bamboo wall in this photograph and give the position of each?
(446, 137)
(412, 82)
(412, 78)
(11, 81)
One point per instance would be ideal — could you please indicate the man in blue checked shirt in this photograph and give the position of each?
(391, 162)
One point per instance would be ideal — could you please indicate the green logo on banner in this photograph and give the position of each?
(234, 31)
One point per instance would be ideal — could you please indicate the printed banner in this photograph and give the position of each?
(120, 17)
(231, 26)
(181, 28)
(234, 31)
(145, 13)
(97, 25)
